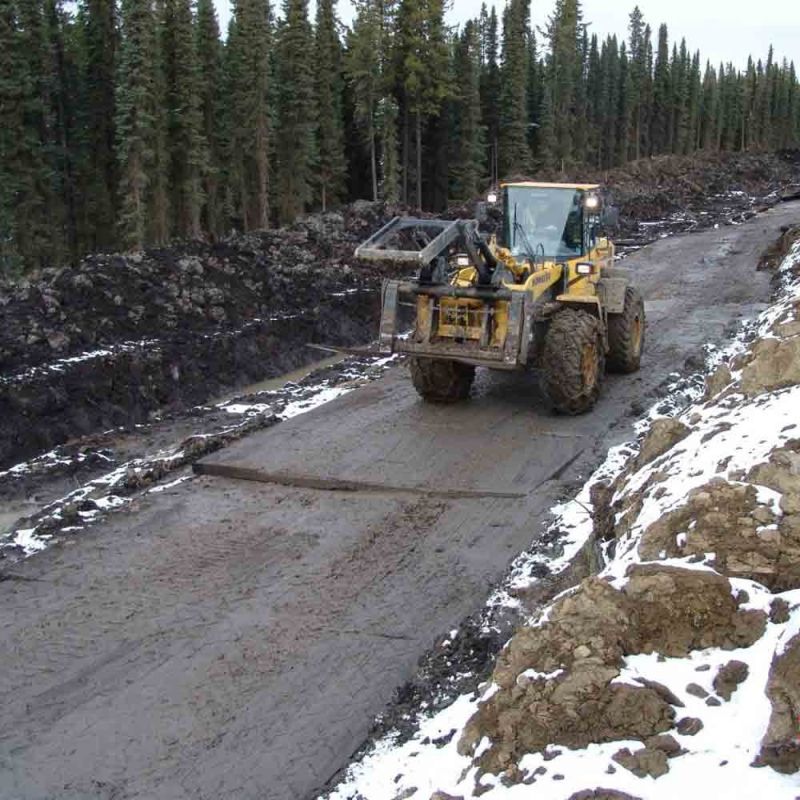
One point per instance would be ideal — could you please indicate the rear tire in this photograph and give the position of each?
(626, 334)
(439, 381)
(573, 361)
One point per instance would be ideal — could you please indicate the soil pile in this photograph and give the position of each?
(703, 531)
(192, 287)
(671, 194)
(116, 338)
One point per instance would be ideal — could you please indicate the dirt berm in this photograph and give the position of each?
(702, 527)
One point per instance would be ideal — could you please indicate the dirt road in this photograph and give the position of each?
(233, 639)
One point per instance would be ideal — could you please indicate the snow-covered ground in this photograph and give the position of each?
(728, 435)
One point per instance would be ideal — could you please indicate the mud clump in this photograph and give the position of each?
(729, 677)
(643, 762)
(780, 747)
(689, 726)
(678, 610)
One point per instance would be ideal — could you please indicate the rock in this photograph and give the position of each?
(444, 796)
(664, 692)
(58, 341)
(679, 610)
(664, 434)
(601, 794)
(778, 611)
(713, 701)
(643, 762)
(726, 519)
(780, 747)
(689, 726)
(717, 381)
(666, 743)
(729, 677)
(696, 690)
(770, 365)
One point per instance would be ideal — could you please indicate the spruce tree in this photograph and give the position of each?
(388, 113)
(680, 99)
(185, 140)
(57, 101)
(422, 73)
(565, 72)
(467, 134)
(329, 128)
(39, 208)
(362, 70)
(247, 74)
(693, 136)
(709, 109)
(135, 123)
(99, 169)
(214, 128)
(12, 132)
(514, 151)
(662, 95)
(158, 199)
(491, 91)
(624, 107)
(594, 91)
(638, 36)
(295, 112)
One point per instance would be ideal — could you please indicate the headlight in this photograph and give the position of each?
(491, 197)
(592, 202)
(462, 261)
(585, 268)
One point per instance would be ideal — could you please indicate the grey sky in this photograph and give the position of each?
(723, 30)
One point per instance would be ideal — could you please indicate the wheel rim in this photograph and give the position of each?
(589, 365)
(636, 334)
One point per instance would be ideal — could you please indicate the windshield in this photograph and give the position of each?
(543, 222)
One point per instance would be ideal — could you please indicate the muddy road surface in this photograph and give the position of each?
(233, 638)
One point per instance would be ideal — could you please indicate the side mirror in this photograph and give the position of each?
(609, 218)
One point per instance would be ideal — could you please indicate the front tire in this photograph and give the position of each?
(626, 334)
(438, 381)
(573, 361)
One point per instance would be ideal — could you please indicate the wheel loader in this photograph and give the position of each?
(542, 292)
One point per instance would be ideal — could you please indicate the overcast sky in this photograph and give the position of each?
(723, 30)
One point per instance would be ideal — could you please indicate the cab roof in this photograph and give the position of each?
(534, 185)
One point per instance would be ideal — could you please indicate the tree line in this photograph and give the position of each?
(135, 123)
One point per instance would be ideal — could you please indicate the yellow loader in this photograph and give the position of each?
(543, 292)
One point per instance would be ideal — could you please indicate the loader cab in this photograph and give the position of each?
(549, 222)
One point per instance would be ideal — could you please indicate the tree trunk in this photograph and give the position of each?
(374, 164)
(419, 162)
(405, 153)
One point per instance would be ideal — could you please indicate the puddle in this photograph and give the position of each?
(274, 384)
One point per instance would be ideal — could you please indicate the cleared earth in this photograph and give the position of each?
(234, 639)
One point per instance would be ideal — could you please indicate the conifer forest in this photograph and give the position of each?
(136, 123)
